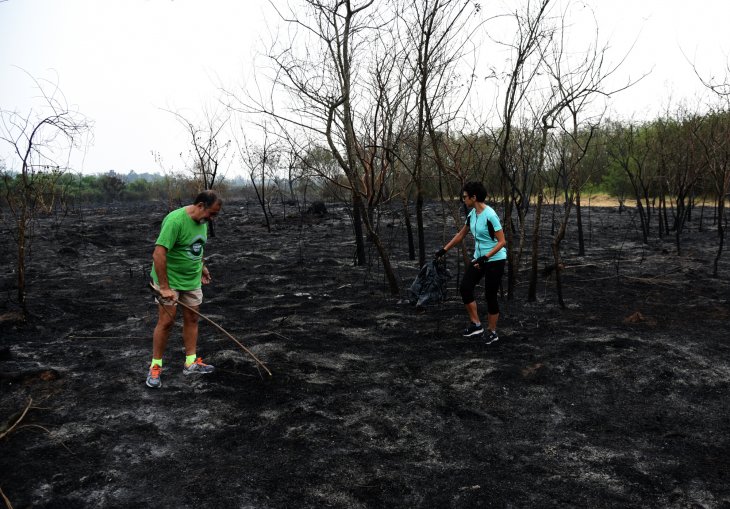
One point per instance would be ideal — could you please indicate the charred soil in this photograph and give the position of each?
(620, 399)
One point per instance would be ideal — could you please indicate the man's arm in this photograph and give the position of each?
(159, 257)
(205, 278)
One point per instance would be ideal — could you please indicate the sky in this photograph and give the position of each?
(126, 64)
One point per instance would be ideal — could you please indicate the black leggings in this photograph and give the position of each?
(493, 279)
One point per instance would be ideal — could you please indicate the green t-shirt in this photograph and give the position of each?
(184, 240)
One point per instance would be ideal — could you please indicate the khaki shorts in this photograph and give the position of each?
(188, 297)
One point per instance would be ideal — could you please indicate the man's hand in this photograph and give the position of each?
(441, 252)
(205, 278)
(167, 293)
(163, 294)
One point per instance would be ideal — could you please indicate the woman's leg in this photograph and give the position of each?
(492, 281)
(471, 310)
(472, 276)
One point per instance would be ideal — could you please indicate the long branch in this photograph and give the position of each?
(220, 329)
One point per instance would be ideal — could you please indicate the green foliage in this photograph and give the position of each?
(615, 182)
(137, 190)
(48, 187)
(112, 186)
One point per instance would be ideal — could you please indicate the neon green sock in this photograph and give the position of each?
(156, 361)
(189, 359)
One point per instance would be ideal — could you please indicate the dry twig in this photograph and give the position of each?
(15, 424)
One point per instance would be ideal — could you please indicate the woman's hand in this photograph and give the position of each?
(481, 262)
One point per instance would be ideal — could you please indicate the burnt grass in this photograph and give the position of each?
(621, 399)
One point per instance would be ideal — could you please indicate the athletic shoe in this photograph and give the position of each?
(473, 330)
(490, 337)
(153, 378)
(198, 368)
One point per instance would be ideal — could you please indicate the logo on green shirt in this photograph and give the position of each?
(195, 250)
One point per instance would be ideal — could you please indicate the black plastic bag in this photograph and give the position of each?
(429, 287)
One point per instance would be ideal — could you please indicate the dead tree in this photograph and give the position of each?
(207, 151)
(575, 80)
(436, 32)
(714, 138)
(209, 148)
(627, 147)
(575, 145)
(38, 139)
(323, 78)
(681, 162)
(261, 161)
(532, 30)
(717, 150)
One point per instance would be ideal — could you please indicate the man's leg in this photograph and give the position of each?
(193, 363)
(165, 322)
(190, 330)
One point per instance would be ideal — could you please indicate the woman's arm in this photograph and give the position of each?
(457, 238)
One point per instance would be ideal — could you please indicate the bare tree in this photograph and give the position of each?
(574, 81)
(38, 140)
(209, 148)
(321, 169)
(627, 146)
(720, 86)
(261, 161)
(575, 141)
(532, 30)
(436, 33)
(329, 102)
(717, 150)
(681, 164)
(715, 140)
(172, 183)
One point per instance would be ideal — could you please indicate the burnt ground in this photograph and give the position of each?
(618, 400)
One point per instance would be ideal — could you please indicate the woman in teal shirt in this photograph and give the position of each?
(488, 261)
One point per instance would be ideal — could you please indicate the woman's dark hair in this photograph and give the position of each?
(208, 198)
(476, 189)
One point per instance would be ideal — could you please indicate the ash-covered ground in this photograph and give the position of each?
(619, 400)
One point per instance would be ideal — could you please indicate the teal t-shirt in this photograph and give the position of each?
(185, 240)
(479, 227)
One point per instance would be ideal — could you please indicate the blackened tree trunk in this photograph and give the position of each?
(357, 229)
(532, 291)
(409, 230)
(579, 224)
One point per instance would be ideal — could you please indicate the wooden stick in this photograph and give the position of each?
(5, 499)
(219, 328)
(27, 407)
(73, 336)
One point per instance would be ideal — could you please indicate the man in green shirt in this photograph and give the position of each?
(178, 272)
